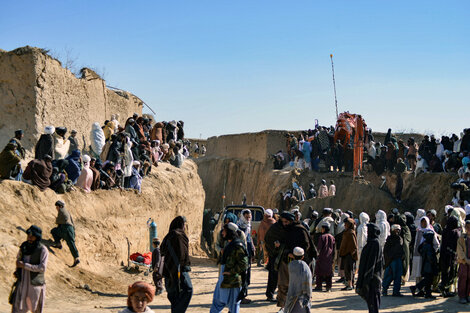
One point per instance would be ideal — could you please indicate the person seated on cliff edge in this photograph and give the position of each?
(45, 144)
(20, 151)
(73, 141)
(61, 145)
(38, 172)
(10, 162)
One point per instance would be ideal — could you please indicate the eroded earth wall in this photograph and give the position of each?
(36, 91)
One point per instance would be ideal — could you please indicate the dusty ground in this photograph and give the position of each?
(204, 277)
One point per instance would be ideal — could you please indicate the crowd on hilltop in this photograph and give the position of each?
(313, 148)
(118, 156)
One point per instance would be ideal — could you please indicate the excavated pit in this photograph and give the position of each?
(242, 164)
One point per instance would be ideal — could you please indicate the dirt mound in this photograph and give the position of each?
(427, 191)
(357, 196)
(240, 176)
(103, 220)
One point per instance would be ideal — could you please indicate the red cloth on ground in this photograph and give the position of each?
(147, 257)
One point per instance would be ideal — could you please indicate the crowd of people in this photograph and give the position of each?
(369, 254)
(295, 195)
(314, 147)
(118, 156)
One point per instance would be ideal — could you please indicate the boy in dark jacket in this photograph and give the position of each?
(429, 267)
(393, 255)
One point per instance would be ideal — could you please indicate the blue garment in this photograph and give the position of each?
(73, 169)
(225, 297)
(393, 273)
(231, 217)
(135, 181)
(307, 149)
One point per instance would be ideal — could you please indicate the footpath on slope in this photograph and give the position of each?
(103, 219)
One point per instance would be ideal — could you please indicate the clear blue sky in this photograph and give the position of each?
(238, 66)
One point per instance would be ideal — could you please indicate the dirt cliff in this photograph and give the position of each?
(103, 219)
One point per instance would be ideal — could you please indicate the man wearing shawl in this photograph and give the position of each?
(176, 268)
(74, 169)
(348, 253)
(300, 284)
(30, 267)
(45, 144)
(61, 144)
(38, 172)
(296, 236)
(135, 180)
(85, 180)
(234, 264)
(96, 175)
(9, 162)
(324, 264)
(275, 233)
(370, 272)
(244, 224)
(265, 224)
(97, 139)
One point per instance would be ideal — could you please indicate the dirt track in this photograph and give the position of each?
(204, 277)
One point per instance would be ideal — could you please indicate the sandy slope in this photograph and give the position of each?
(103, 221)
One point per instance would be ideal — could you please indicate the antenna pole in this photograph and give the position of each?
(334, 84)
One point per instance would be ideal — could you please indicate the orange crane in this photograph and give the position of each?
(351, 129)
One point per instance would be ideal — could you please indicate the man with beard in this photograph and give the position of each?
(295, 236)
(176, 268)
(31, 264)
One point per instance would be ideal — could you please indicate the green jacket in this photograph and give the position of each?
(236, 263)
(8, 160)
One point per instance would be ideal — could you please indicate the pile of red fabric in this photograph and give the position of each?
(145, 258)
